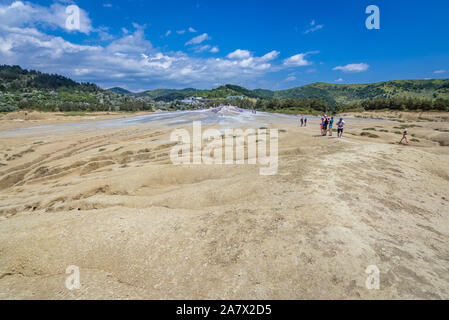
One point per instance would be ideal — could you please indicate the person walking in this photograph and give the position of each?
(302, 122)
(305, 122)
(404, 137)
(340, 126)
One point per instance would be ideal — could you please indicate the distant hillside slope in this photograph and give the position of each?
(340, 93)
(120, 91)
(29, 89)
(333, 94)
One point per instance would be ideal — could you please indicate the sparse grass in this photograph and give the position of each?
(369, 129)
(369, 135)
(398, 132)
(425, 119)
(383, 130)
(74, 114)
(415, 140)
(407, 126)
(2, 164)
(39, 142)
(102, 150)
(282, 131)
(442, 130)
(119, 148)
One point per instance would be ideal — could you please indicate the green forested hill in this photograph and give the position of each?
(337, 94)
(121, 91)
(24, 89)
(333, 94)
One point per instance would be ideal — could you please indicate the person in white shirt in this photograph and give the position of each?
(340, 125)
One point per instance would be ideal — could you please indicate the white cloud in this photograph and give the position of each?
(353, 67)
(199, 39)
(298, 60)
(19, 14)
(131, 43)
(199, 49)
(168, 33)
(192, 30)
(239, 54)
(81, 72)
(107, 5)
(271, 55)
(180, 31)
(440, 71)
(291, 78)
(339, 80)
(314, 27)
(128, 60)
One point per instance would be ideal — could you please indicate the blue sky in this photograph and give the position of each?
(279, 44)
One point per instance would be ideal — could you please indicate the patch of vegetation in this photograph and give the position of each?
(102, 150)
(415, 140)
(398, 132)
(383, 130)
(442, 130)
(369, 129)
(369, 135)
(74, 114)
(407, 126)
(22, 89)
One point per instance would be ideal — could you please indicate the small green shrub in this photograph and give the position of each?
(7, 108)
(369, 135)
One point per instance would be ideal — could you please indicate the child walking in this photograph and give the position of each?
(404, 137)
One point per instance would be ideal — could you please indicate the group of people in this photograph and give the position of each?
(327, 125)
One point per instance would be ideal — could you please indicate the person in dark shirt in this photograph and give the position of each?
(325, 125)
